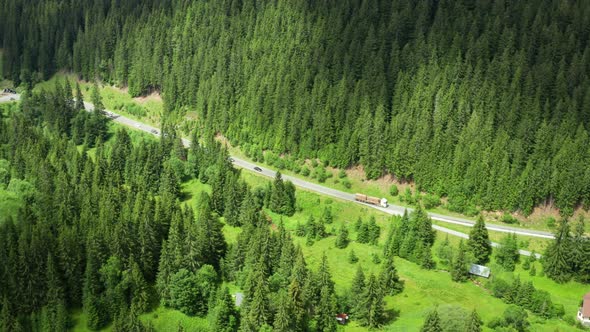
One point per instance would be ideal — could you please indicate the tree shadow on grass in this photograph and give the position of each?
(391, 315)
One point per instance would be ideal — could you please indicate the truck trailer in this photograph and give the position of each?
(371, 200)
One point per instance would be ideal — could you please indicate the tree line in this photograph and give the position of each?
(491, 111)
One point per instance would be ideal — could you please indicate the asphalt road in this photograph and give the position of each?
(391, 209)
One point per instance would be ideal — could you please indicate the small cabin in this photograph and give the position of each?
(480, 271)
(239, 298)
(584, 312)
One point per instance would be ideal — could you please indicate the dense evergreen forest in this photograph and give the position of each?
(486, 102)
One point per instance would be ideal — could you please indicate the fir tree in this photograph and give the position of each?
(459, 269)
(474, 323)
(342, 238)
(507, 254)
(224, 316)
(371, 309)
(432, 323)
(283, 320)
(388, 278)
(357, 289)
(479, 242)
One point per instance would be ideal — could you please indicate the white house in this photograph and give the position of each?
(584, 312)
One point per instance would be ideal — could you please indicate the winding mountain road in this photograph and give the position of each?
(391, 209)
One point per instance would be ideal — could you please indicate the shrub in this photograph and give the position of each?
(393, 190)
(431, 201)
(352, 257)
(375, 258)
(305, 171)
(342, 174)
(508, 219)
(346, 183)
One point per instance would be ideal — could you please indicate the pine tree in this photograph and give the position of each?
(352, 257)
(388, 278)
(96, 99)
(297, 292)
(371, 309)
(79, 106)
(426, 260)
(373, 231)
(459, 269)
(479, 242)
(277, 196)
(283, 320)
(325, 309)
(356, 290)
(327, 216)
(474, 323)
(432, 323)
(363, 235)
(533, 270)
(342, 238)
(224, 316)
(401, 233)
(507, 254)
(210, 239)
(445, 252)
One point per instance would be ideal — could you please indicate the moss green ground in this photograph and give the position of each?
(423, 289)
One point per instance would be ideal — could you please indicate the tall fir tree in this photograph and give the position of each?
(432, 322)
(479, 242)
(459, 268)
(371, 309)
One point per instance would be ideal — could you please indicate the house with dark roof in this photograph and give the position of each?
(584, 312)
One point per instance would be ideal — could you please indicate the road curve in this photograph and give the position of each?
(391, 209)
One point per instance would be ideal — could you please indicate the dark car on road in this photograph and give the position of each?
(258, 169)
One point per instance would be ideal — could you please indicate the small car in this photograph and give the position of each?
(258, 169)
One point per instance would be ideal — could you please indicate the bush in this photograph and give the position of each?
(346, 183)
(431, 201)
(375, 258)
(352, 257)
(305, 171)
(393, 190)
(508, 219)
(320, 174)
(314, 163)
(342, 174)
(550, 221)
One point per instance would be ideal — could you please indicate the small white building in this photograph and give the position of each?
(480, 270)
(584, 312)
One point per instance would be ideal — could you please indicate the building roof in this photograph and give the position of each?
(239, 299)
(479, 270)
(586, 306)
